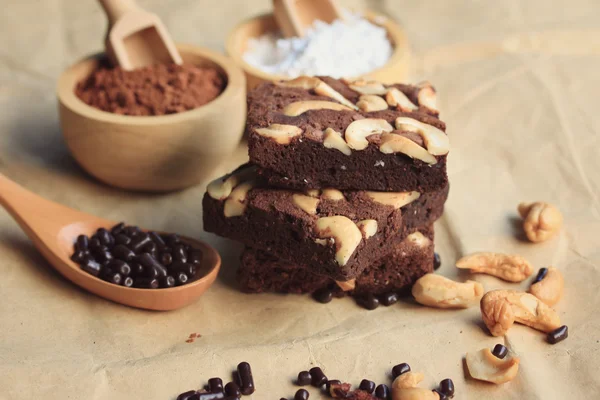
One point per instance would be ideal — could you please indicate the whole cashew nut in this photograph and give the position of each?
(437, 291)
(550, 288)
(500, 308)
(483, 365)
(405, 388)
(511, 268)
(541, 220)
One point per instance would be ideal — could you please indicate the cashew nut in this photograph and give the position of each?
(368, 87)
(393, 143)
(235, 205)
(357, 132)
(394, 199)
(418, 239)
(485, 366)
(436, 141)
(511, 268)
(346, 286)
(371, 102)
(540, 220)
(407, 380)
(500, 308)
(332, 194)
(405, 388)
(334, 140)
(437, 291)
(282, 134)
(368, 227)
(300, 107)
(550, 289)
(396, 98)
(427, 96)
(320, 88)
(345, 233)
(306, 203)
(221, 188)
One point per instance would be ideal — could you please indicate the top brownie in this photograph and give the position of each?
(318, 132)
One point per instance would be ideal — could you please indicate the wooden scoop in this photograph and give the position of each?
(294, 17)
(136, 38)
(54, 228)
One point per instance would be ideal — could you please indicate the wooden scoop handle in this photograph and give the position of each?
(115, 9)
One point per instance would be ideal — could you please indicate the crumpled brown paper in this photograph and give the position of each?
(519, 85)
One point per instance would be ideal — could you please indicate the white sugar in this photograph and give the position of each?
(346, 48)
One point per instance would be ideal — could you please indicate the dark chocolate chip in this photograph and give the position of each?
(122, 252)
(323, 295)
(541, 275)
(105, 237)
(388, 299)
(304, 378)
(208, 396)
(180, 253)
(370, 302)
(150, 248)
(441, 395)
(167, 281)
(382, 392)
(91, 267)
(318, 378)
(330, 383)
(186, 395)
(246, 380)
(400, 369)
(138, 243)
(195, 257)
(132, 231)
(115, 278)
(80, 256)
(122, 239)
(447, 387)
(558, 335)
(146, 283)
(160, 243)
(128, 282)
(137, 269)
(232, 390)
(500, 351)
(166, 259)
(215, 385)
(301, 394)
(437, 261)
(104, 256)
(94, 243)
(148, 261)
(82, 243)
(367, 385)
(182, 279)
(171, 239)
(117, 229)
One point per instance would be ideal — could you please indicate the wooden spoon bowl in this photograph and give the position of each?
(396, 70)
(54, 228)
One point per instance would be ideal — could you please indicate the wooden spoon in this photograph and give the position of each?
(53, 229)
(136, 38)
(294, 17)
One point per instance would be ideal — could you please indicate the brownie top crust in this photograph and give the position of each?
(349, 116)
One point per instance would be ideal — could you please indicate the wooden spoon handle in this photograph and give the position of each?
(115, 9)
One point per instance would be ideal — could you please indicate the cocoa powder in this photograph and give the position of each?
(153, 90)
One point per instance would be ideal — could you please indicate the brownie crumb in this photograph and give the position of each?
(154, 90)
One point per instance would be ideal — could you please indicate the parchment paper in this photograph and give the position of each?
(518, 82)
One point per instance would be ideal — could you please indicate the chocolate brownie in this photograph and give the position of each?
(412, 258)
(322, 132)
(335, 233)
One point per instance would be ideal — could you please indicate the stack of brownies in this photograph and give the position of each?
(344, 183)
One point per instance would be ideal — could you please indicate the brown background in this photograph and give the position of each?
(519, 83)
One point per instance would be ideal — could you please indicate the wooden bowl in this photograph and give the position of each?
(155, 153)
(396, 69)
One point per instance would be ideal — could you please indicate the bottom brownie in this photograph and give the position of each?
(412, 258)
